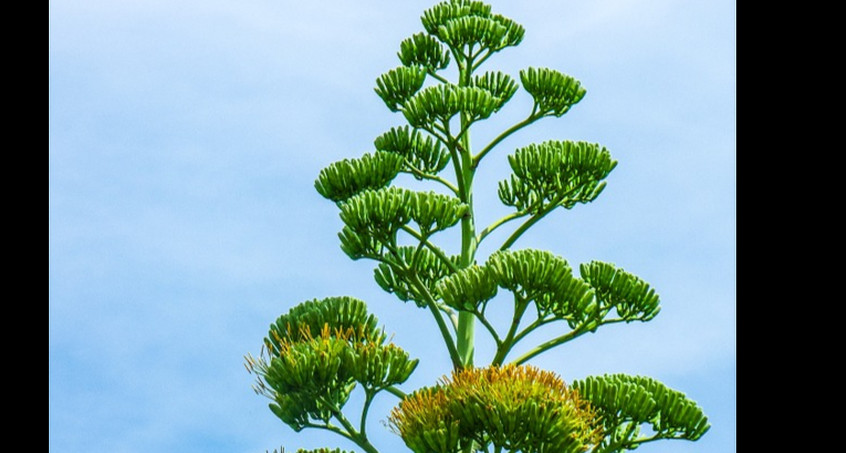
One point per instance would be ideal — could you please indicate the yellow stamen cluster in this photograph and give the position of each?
(512, 407)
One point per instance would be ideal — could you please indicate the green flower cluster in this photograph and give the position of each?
(315, 355)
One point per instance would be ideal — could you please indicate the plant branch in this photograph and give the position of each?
(549, 345)
(453, 318)
(435, 134)
(434, 75)
(358, 437)
(644, 440)
(534, 325)
(620, 440)
(529, 120)
(481, 60)
(433, 307)
(396, 392)
(575, 333)
(416, 257)
(534, 219)
(504, 348)
(490, 228)
(438, 252)
(409, 270)
(422, 175)
(525, 226)
(441, 129)
(456, 165)
(463, 131)
(481, 317)
(368, 399)
(457, 55)
(331, 428)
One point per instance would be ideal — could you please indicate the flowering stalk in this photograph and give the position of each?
(316, 355)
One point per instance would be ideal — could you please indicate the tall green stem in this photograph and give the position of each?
(358, 437)
(466, 320)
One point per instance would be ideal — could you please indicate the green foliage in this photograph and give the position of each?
(396, 276)
(625, 403)
(396, 86)
(547, 280)
(631, 297)
(322, 350)
(444, 12)
(424, 51)
(461, 24)
(552, 91)
(440, 103)
(473, 30)
(498, 84)
(314, 356)
(468, 288)
(381, 213)
(346, 178)
(421, 153)
(555, 173)
(308, 319)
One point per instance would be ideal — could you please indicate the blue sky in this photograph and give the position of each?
(185, 137)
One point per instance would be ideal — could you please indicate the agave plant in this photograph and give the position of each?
(321, 350)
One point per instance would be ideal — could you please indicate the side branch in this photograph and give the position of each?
(525, 226)
(368, 399)
(434, 133)
(476, 65)
(438, 252)
(490, 228)
(433, 307)
(506, 349)
(531, 327)
(358, 437)
(451, 145)
(396, 392)
(349, 432)
(534, 219)
(529, 120)
(549, 345)
(434, 75)
(506, 345)
(481, 317)
(423, 175)
(581, 330)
